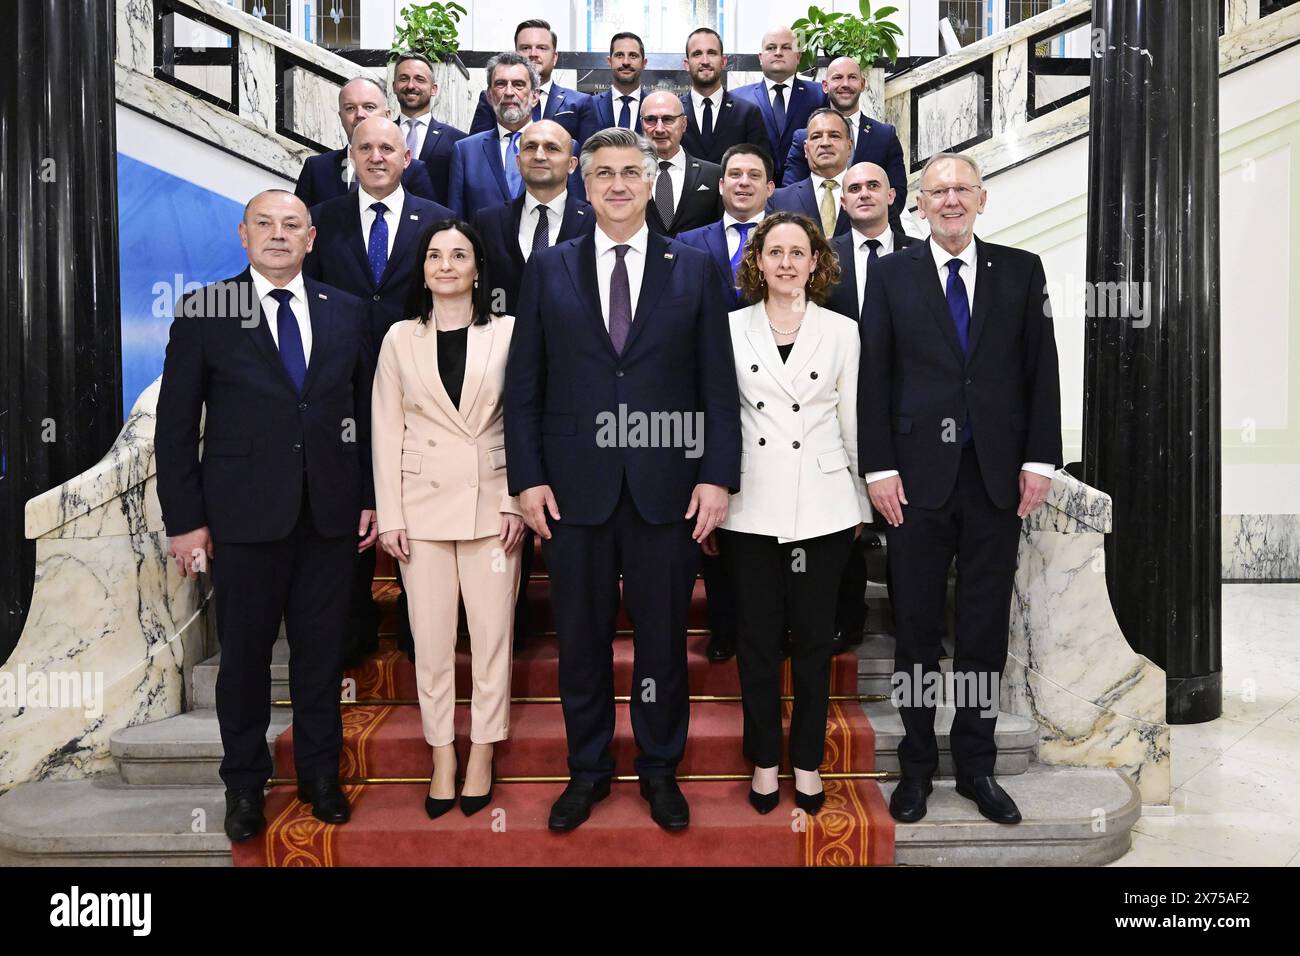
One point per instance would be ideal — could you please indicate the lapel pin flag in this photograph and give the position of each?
(668, 255)
(321, 295)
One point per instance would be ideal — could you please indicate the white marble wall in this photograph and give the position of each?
(113, 629)
(950, 115)
(1096, 701)
(1261, 547)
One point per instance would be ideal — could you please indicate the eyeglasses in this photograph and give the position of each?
(963, 192)
(629, 174)
(649, 122)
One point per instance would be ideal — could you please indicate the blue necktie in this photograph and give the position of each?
(513, 179)
(625, 116)
(291, 351)
(778, 106)
(742, 228)
(959, 308)
(377, 246)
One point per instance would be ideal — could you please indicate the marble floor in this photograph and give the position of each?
(1236, 791)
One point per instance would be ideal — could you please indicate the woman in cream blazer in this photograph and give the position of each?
(789, 530)
(443, 508)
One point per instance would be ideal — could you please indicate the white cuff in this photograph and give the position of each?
(1039, 468)
(877, 475)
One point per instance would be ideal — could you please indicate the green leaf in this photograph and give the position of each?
(884, 12)
(865, 7)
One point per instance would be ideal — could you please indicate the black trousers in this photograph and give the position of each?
(304, 580)
(851, 603)
(720, 592)
(984, 539)
(362, 637)
(801, 579)
(658, 563)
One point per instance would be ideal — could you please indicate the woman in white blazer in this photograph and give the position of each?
(440, 494)
(801, 503)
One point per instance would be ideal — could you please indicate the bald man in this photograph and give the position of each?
(785, 101)
(332, 174)
(280, 502)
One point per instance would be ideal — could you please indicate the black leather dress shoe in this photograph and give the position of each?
(719, 650)
(574, 805)
(668, 806)
(326, 799)
(907, 804)
(244, 818)
(993, 802)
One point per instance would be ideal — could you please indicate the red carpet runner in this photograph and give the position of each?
(389, 826)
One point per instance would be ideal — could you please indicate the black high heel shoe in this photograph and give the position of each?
(764, 802)
(472, 805)
(437, 806)
(809, 803)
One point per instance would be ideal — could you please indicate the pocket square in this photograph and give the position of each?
(703, 188)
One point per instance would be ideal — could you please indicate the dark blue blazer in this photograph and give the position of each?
(607, 109)
(322, 178)
(260, 433)
(843, 298)
(804, 97)
(439, 140)
(569, 108)
(737, 121)
(916, 385)
(877, 143)
(338, 257)
(499, 228)
(799, 198)
(478, 179)
(564, 379)
(713, 240)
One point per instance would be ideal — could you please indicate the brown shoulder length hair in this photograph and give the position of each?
(824, 278)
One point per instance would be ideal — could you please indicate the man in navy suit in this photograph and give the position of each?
(959, 432)
(715, 119)
(616, 331)
(282, 498)
(484, 167)
(621, 105)
(785, 101)
(428, 140)
(331, 174)
(365, 245)
(685, 192)
(535, 40)
(873, 141)
(818, 197)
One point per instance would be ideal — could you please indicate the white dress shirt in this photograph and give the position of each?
(543, 94)
(861, 255)
(503, 140)
(676, 176)
(394, 202)
(633, 259)
(771, 91)
(271, 308)
(733, 236)
(616, 101)
(697, 103)
(967, 270)
(422, 130)
(528, 221)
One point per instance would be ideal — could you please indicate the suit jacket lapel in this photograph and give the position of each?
(984, 294)
(553, 102)
(864, 137)
(478, 351)
(931, 292)
(492, 155)
(808, 199)
(765, 107)
(423, 342)
(432, 135)
(760, 339)
(659, 262)
(358, 240)
(806, 342)
(715, 237)
(573, 220)
(321, 319)
(511, 238)
(258, 326)
(845, 248)
(580, 262)
(408, 228)
(690, 183)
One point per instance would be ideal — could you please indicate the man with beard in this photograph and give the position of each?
(428, 140)
(715, 120)
(621, 106)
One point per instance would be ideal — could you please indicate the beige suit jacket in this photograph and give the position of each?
(440, 471)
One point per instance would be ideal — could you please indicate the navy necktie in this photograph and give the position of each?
(742, 230)
(291, 350)
(959, 308)
(706, 128)
(542, 234)
(537, 108)
(620, 301)
(778, 107)
(873, 253)
(625, 115)
(377, 244)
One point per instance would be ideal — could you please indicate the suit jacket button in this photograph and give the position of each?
(469, 441)
(618, 374)
(796, 444)
(376, 298)
(432, 443)
(760, 406)
(795, 407)
(473, 482)
(762, 441)
(968, 381)
(297, 447)
(433, 484)
(753, 368)
(302, 406)
(813, 375)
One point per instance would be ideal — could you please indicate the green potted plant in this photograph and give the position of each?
(832, 35)
(432, 29)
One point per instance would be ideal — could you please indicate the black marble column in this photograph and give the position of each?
(1151, 376)
(60, 344)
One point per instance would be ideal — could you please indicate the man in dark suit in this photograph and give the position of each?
(867, 197)
(621, 104)
(365, 245)
(715, 119)
(428, 140)
(331, 174)
(785, 101)
(619, 326)
(535, 40)
(959, 419)
(873, 141)
(484, 167)
(818, 197)
(282, 499)
(685, 192)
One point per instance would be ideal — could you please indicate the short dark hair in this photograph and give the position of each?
(537, 25)
(828, 111)
(823, 278)
(412, 56)
(625, 35)
(419, 302)
(749, 149)
(699, 30)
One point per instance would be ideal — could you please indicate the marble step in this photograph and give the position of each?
(1073, 817)
(186, 749)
